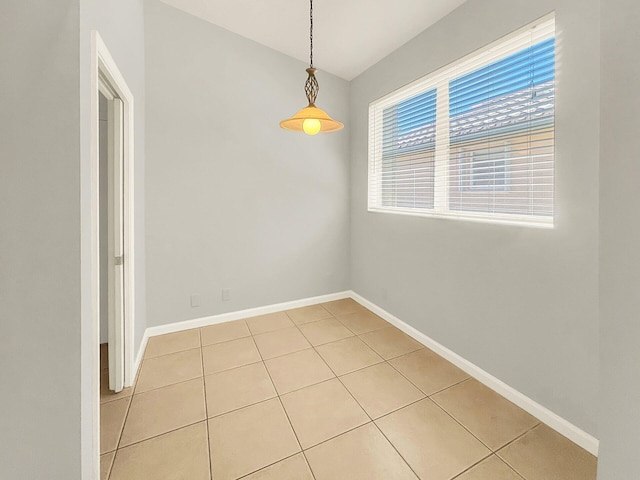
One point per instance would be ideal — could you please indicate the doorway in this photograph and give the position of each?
(111, 233)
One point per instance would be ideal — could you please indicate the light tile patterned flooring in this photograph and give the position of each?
(325, 392)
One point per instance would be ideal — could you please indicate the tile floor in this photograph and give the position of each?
(325, 392)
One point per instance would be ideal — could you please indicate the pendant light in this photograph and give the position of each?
(311, 119)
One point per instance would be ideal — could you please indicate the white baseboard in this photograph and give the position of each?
(229, 317)
(559, 424)
(138, 361)
(239, 314)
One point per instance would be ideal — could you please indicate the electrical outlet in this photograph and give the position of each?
(195, 300)
(226, 294)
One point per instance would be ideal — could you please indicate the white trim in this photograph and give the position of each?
(541, 29)
(102, 63)
(439, 80)
(559, 424)
(143, 346)
(229, 317)
(240, 314)
(512, 219)
(106, 66)
(95, 259)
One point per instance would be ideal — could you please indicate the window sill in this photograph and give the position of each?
(514, 220)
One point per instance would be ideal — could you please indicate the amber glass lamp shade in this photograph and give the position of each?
(311, 120)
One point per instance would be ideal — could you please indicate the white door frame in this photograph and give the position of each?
(102, 64)
(115, 231)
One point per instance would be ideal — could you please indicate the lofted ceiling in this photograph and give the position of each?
(349, 35)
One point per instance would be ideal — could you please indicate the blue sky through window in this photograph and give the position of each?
(529, 67)
(415, 112)
(526, 68)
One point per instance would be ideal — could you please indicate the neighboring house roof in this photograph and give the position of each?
(500, 115)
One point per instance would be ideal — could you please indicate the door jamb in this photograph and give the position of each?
(102, 64)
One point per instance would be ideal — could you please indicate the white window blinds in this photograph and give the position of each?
(475, 139)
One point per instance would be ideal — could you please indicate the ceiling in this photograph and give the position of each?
(349, 35)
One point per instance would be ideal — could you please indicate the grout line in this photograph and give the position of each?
(282, 404)
(244, 406)
(306, 386)
(336, 377)
(326, 309)
(306, 460)
(231, 369)
(382, 360)
(124, 423)
(224, 341)
(119, 446)
(460, 423)
(110, 399)
(135, 386)
(331, 315)
(397, 451)
(400, 408)
(339, 377)
(161, 434)
(512, 467)
(357, 403)
(206, 408)
(478, 438)
(509, 465)
(344, 386)
(422, 347)
(278, 395)
(113, 461)
(447, 388)
(338, 435)
(144, 359)
(298, 327)
(284, 354)
(165, 386)
(363, 409)
(428, 395)
(267, 466)
(387, 361)
(517, 438)
(459, 474)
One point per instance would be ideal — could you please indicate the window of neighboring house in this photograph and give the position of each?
(483, 168)
(474, 140)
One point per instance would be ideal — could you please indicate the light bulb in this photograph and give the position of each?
(311, 126)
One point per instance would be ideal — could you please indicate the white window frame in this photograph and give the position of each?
(540, 30)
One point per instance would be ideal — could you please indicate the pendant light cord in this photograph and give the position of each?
(311, 32)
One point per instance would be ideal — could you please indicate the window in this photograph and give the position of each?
(474, 140)
(483, 168)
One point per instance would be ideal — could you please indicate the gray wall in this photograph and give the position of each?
(39, 240)
(619, 240)
(521, 303)
(121, 26)
(233, 201)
